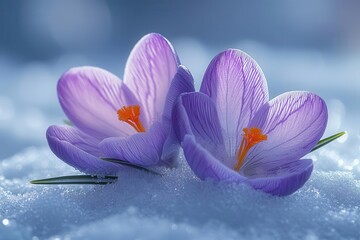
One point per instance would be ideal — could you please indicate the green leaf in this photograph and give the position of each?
(77, 179)
(327, 140)
(129, 164)
(68, 122)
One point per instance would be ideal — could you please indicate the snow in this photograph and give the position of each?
(177, 205)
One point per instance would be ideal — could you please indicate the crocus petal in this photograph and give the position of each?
(183, 82)
(78, 150)
(90, 97)
(236, 84)
(204, 164)
(195, 114)
(285, 180)
(142, 148)
(293, 122)
(149, 71)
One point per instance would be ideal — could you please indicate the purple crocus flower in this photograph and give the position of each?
(128, 120)
(231, 131)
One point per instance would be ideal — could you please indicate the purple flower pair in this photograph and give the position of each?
(229, 130)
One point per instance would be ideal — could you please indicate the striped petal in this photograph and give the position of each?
(183, 82)
(195, 115)
(78, 150)
(142, 148)
(90, 97)
(204, 164)
(285, 180)
(151, 67)
(293, 122)
(236, 84)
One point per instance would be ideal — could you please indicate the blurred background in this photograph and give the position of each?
(300, 45)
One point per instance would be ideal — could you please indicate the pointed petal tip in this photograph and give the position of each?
(234, 53)
(186, 74)
(184, 68)
(182, 82)
(152, 35)
(152, 62)
(155, 38)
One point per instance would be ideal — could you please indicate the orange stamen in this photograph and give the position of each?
(251, 137)
(130, 115)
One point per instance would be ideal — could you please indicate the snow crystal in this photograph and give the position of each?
(176, 206)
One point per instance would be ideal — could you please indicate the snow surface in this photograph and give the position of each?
(177, 205)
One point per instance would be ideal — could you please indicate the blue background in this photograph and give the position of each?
(300, 45)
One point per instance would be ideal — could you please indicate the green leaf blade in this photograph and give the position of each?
(76, 179)
(132, 165)
(68, 122)
(327, 140)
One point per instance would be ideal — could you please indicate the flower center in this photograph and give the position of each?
(130, 115)
(251, 137)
